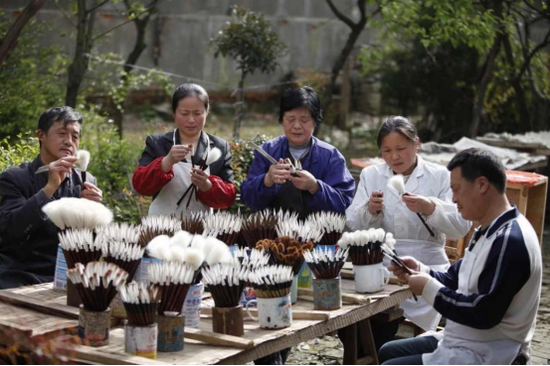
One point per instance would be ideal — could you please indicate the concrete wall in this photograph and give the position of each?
(178, 36)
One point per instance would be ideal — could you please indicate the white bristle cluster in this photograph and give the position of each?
(327, 221)
(214, 155)
(222, 222)
(361, 237)
(161, 223)
(96, 274)
(398, 183)
(390, 242)
(287, 216)
(138, 293)
(166, 273)
(302, 232)
(252, 258)
(120, 232)
(120, 250)
(78, 240)
(270, 275)
(76, 213)
(225, 274)
(83, 157)
(325, 255)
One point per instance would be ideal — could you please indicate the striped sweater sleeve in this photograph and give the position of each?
(506, 270)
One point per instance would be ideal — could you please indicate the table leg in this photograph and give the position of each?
(358, 344)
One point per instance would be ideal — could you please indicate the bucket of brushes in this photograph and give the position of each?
(331, 224)
(326, 266)
(365, 251)
(272, 285)
(140, 331)
(226, 282)
(250, 259)
(259, 225)
(224, 226)
(193, 223)
(97, 285)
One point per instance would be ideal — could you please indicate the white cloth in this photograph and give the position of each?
(165, 203)
(429, 180)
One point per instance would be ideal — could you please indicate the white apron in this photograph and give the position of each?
(165, 203)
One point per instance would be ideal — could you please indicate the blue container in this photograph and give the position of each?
(170, 333)
(326, 294)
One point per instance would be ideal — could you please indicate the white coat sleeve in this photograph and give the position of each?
(446, 217)
(358, 217)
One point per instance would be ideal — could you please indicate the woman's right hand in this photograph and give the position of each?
(277, 174)
(376, 202)
(176, 154)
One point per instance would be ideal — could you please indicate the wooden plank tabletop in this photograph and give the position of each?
(197, 352)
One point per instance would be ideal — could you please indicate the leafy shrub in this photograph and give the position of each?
(24, 149)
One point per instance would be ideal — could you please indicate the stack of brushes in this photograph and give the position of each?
(97, 283)
(365, 246)
(331, 224)
(326, 264)
(302, 232)
(141, 302)
(173, 280)
(120, 245)
(272, 281)
(193, 224)
(153, 226)
(286, 251)
(251, 258)
(259, 225)
(224, 226)
(226, 282)
(76, 213)
(79, 246)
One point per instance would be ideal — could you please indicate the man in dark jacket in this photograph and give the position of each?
(28, 239)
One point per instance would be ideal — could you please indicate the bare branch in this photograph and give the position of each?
(339, 15)
(539, 47)
(65, 14)
(97, 6)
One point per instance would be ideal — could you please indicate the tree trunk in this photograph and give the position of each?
(240, 108)
(84, 44)
(525, 116)
(9, 41)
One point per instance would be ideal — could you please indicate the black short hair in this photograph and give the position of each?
(190, 89)
(58, 114)
(397, 124)
(301, 97)
(475, 163)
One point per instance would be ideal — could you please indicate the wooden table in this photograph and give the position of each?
(31, 301)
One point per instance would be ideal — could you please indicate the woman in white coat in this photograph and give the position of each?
(377, 205)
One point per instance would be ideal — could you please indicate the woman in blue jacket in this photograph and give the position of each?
(323, 184)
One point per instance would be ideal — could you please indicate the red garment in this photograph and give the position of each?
(148, 180)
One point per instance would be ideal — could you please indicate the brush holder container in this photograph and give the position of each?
(60, 274)
(170, 333)
(273, 313)
(370, 278)
(141, 340)
(93, 326)
(327, 294)
(228, 320)
(294, 290)
(305, 277)
(192, 306)
(117, 308)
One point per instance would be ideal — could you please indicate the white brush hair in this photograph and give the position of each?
(344, 240)
(390, 243)
(178, 253)
(77, 213)
(380, 233)
(398, 183)
(53, 211)
(214, 155)
(389, 236)
(219, 254)
(364, 237)
(83, 157)
(193, 258)
(154, 248)
(181, 238)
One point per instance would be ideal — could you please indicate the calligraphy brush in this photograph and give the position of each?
(226, 282)
(325, 263)
(332, 225)
(83, 157)
(79, 246)
(271, 281)
(259, 225)
(97, 283)
(252, 258)
(77, 213)
(224, 226)
(398, 183)
(125, 255)
(141, 302)
(193, 224)
(174, 280)
(153, 226)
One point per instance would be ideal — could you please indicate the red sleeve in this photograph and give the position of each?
(148, 180)
(221, 195)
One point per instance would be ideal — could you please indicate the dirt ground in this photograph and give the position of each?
(329, 350)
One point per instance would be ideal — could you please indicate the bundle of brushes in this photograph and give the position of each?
(141, 302)
(76, 213)
(97, 283)
(325, 263)
(226, 282)
(331, 224)
(389, 251)
(79, 246)
(120, 245)
(153, 226)
(286, 251)
(212, 156)
(303, 232)
(252, 258)
(272, 281)
(224, 226)
(193, 224)
(259, 225)
(173, 279)
(365, 246)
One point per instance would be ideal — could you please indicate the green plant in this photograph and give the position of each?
(24, 149)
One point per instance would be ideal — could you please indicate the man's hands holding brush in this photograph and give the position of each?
(417, 280)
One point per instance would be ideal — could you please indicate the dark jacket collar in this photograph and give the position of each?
(201, 146)
(501, 220)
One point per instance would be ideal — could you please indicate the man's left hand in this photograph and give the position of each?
(418, 203)
(200, 179)
(305, 181)
(91, 192)
(418, 281)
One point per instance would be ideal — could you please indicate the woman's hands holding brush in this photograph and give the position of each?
(176, 154)
(200, 179)
(418, 203)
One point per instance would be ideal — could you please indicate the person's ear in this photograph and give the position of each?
(40, 135)
(482, 184)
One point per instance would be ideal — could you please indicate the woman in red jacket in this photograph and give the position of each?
(170, 162)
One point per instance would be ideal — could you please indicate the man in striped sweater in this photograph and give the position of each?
(491, 296)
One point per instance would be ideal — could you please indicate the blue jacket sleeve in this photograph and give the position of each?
(254, 193)
(336, 187)
(450, 278)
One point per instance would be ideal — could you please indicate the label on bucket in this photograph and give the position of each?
(141, 341)
(305, 276)
(60, 276)
(192, 306)
(141, 273)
